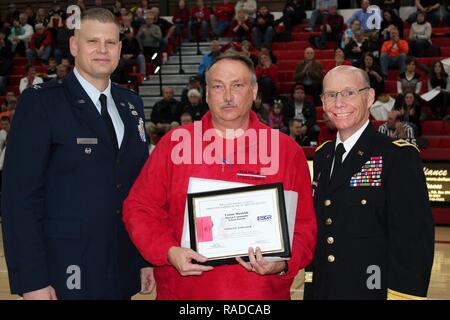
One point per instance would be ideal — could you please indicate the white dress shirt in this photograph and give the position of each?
(94, 95)
(349, 143)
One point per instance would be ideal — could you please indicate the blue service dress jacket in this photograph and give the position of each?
(63, 188)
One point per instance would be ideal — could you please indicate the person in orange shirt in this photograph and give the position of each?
(393, 52)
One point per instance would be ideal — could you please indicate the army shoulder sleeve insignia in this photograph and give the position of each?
(403, 143)
(323, 144)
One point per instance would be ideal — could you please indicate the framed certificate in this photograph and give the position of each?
(224, 224)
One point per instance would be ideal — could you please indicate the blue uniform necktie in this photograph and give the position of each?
(108, 122)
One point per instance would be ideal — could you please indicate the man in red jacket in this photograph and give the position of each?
(154, 209)
(40, 44)
(223, 15)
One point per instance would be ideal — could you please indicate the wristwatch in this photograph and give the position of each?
(285, 269)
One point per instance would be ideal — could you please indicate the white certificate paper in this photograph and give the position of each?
(234, 222)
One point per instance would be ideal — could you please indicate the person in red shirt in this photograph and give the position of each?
(223, 15)
(393, 53)
(267, 74)
(153, 213)
(40, 44)
(199, 21)
(181, 17)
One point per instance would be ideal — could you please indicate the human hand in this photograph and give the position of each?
(47, 293)
(260, 265)
(181, 259)
(147, 280)
(399, 128)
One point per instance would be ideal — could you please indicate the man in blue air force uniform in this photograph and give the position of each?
(75, 148)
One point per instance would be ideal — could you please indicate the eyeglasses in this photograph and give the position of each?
(346, 94)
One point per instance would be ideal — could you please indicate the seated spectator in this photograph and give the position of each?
(397, 129)
(267, 74)
(309, 74)
(195, 107)
(222, 18)
(11, 13)
(248, 6)
(390, 18)
(8, 110)
(149, 36)
(116, 9)
(50, 74)
(356, 47)
(21, 34)
(393, 5)
(241, 26)
(5, 125)
(332, 27)
(300, 109)
(6, 57)
(248, 50)
(260, 109)
(266, 50)
(408, 81)
(393, 53)
(131, 54)
(56, 12)
(10, 95)
(166, 113)
(276, 120)
(185, 118)
(181, 17)
(411, 111)
(263, 28)
(30, 78)
(432, 8)
(293, 14)
(126, 25)
(439, 79)
(40, 45)
(348, 33)
(376, 80)
(194, 83)
(340, 59)
(65, 62)
(322, 9)
(362, 15)
(208, 59)
(62, 35)
(61, 72)
(328, 132)
(297, 131)
(199, 23)
(374, 43)
(167, 28)
(380, 109)
(41, 17)
(419, 36)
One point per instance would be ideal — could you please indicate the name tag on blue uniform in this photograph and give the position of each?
(87, 141)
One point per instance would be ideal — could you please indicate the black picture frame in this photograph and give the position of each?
(281, 205)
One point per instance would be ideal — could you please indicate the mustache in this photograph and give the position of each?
(227, 105)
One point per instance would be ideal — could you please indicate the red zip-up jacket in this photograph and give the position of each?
(154, 213)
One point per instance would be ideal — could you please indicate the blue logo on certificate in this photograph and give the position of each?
(265, 218)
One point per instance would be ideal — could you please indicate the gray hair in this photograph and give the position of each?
(236, 57)
(194, 93)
